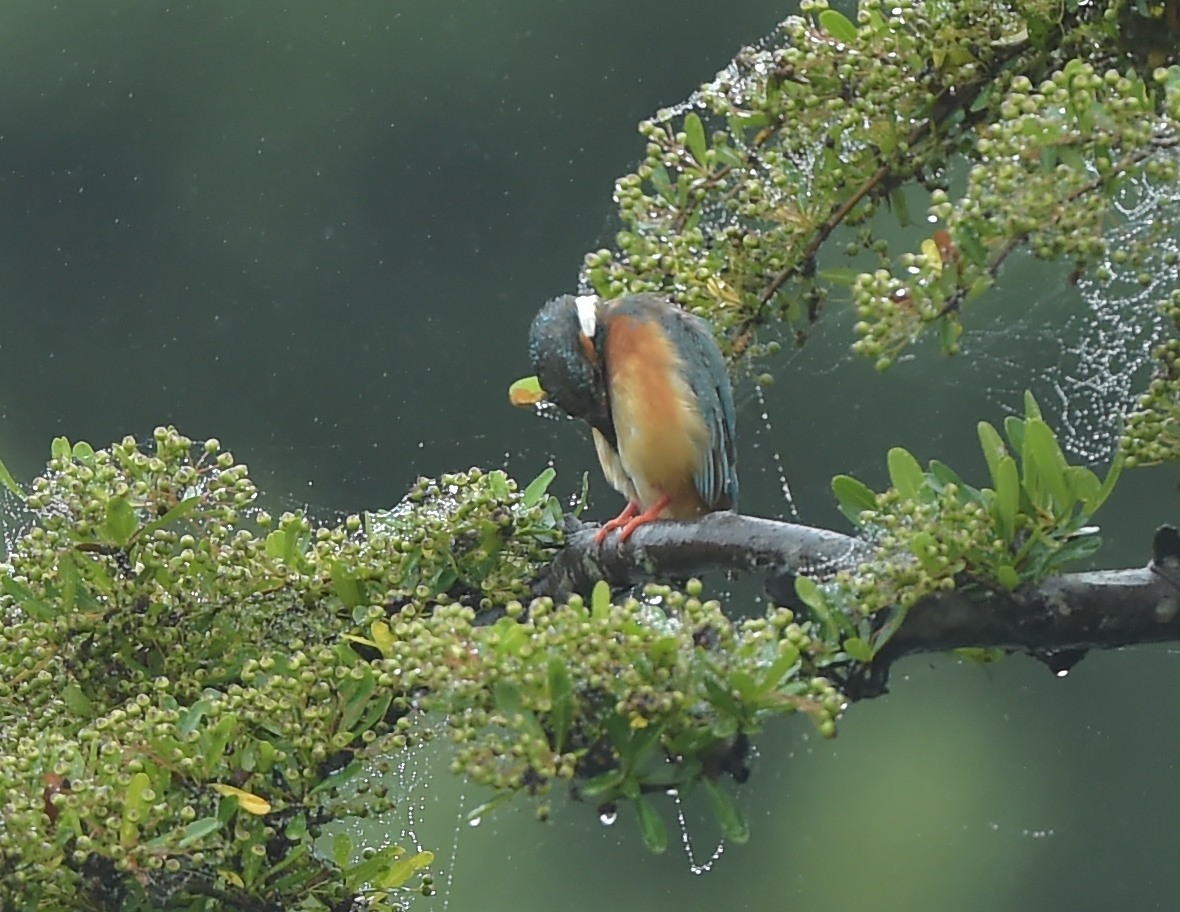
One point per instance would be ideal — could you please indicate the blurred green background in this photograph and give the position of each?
(319, 231)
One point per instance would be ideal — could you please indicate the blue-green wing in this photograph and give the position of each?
(708, 377)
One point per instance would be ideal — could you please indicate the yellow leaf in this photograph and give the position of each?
(526, 392)
(382, 637)
(247, 801)
(399, 872)
(722, 292)
(231, 878)
(933, 255)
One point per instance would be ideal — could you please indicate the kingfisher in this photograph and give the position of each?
(648, 378)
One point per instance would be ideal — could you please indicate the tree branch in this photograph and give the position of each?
(680, 549)
(1056, 621)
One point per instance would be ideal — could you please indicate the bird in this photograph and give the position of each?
(649, 379)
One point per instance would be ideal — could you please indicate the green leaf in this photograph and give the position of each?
(1043, 457)
(838, 26)
(498, 484)
(694, 132)
(198, 830)
(721, 697)
(904, 472)
(341, 849)
(949, 330)
(506, 697)
(1007, 576)
(346, 585)
(1083, 484)
(376, 709)
(213, 740)
(356, 694)
(993, 448)
(889, 628)
(729, 816)
(337, 778)
(178, 512)
(602, 784)
(944, 475)
(281, 543)
(1112, 476)
(561, 700)
(661, 183)
(664, 650)
(637, 749)
(844, 276)
(191, 717)
(600, 598)
(133, 799)
(537, 487)
(1014, 430)
(979, 286)
(369, 869)
(980, 655)
(476, 814)
(296, 828)
(1031, 408)
(858, 650)
(293, 855)
(1078, 548)
(402, 870)
(970, 246)
(74, 591)
(854, 497)
(77, 701)
(121, 522)
(788, 657)
(9, 482)
(583, 495)
(1007, 481)
(743, 683)
(811, 595)
(507, 636)
(740, 123)
(897, 199)
(651, 825)
(60, 448)
(925, 548)
(36, 608)
(829, 618)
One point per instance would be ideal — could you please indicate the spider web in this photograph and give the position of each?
(1095, 358)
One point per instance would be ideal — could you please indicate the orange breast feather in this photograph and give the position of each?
(661, 435)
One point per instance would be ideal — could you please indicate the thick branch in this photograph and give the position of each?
(1056, 620)
(719, 541)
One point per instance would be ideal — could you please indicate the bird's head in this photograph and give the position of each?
(565, 345)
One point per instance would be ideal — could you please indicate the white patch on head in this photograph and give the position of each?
(587, 307)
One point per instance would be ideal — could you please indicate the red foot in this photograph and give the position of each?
(621, 520)
(630, 521)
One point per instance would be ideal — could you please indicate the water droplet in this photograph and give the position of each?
(475, 821)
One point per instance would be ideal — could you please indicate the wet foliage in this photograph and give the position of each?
(194, 689)
(980, 128)
(931, 531)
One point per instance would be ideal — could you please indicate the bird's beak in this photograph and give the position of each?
(526, 392)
